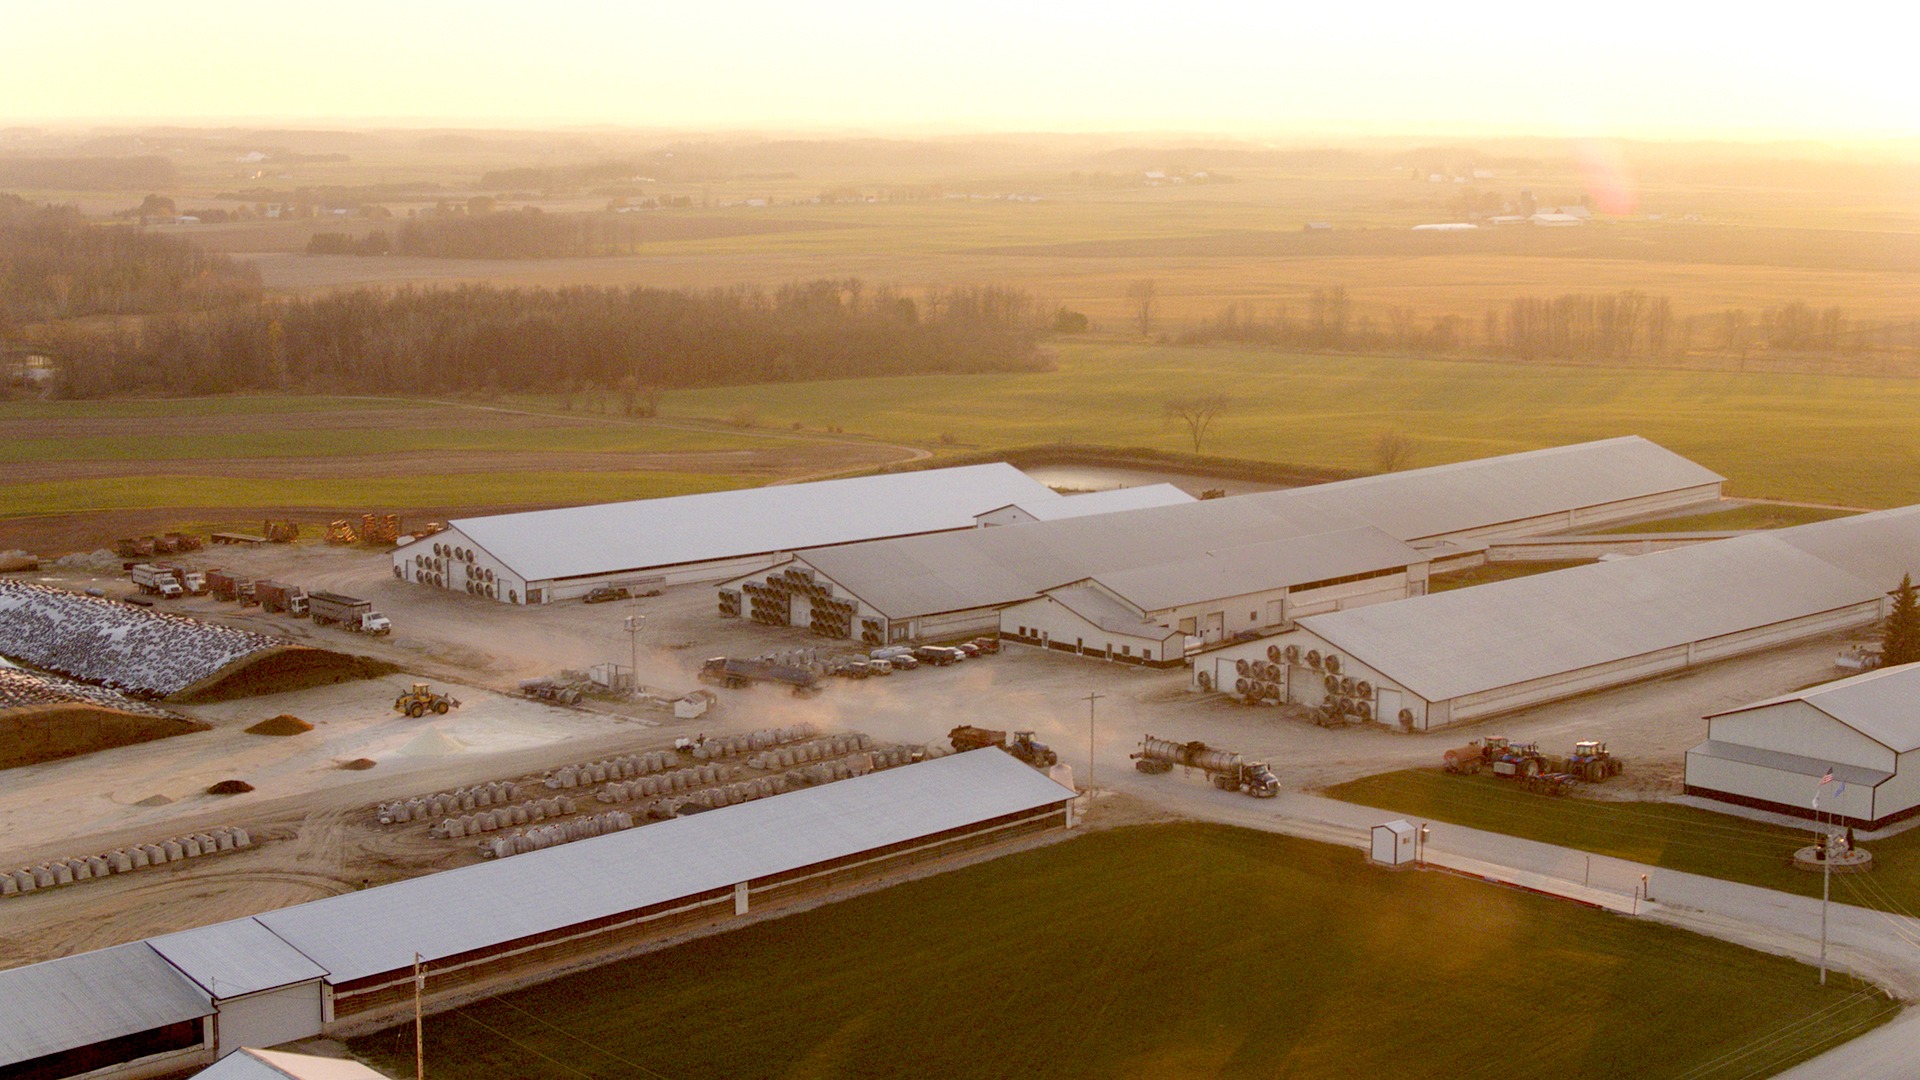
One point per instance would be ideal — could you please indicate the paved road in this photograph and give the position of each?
(1881, 948)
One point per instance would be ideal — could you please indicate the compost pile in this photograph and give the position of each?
(230, 787)
(281, 725)
(109, 643)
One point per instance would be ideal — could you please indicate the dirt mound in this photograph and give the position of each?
(359, 764)
(279, 670)
(154, 800)
(281, 725)
(48, 732)
(230, 787)
(433, 743)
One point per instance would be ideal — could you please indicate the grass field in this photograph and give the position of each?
(1751, 516)
(1661, 834)
(1165, 951)
(1840, 440)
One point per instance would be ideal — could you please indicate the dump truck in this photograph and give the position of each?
(419, 699)
(1224, 768)
(159, 579)
(1020, 744)
(279, 596)
(734, 674)
(1497, 755)
(357, 615)
(227, 585)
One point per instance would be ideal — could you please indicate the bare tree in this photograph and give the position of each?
(1197, 413)
(1392, 451)
(1143, 293)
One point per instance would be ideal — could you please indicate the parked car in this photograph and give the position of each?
(600, 594)
(970, 649)
(903, 661)
(937, 655)
(986, 644)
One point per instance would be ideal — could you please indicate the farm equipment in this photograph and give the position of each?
(278, 596)
(1021, 744)
(1497, 755)
(354, 614)
(341, 531)
(734, 674)
(159, 579)
(1551, 783)
(1591, 762)
(420, 699)
(280, 532)
(1224, 768)
(229, 586)
(380, 528)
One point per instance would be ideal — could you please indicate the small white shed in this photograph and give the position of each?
(1393, 844)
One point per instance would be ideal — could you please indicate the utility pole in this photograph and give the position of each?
(1091, 698)
(634, 623)
(419, 1035)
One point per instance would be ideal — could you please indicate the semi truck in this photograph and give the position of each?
(734, 674)
(1224, 768)
(1020, 744)
(357, 615)
(159, 579)
(230, 586)
(281, 597)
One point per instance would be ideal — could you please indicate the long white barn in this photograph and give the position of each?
(546, 555)
(1456, 656)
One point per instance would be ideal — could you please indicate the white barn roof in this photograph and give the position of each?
(576, 541)
(1445, 499)
(92, 997)
(1296, 560)
(359, 934)
(926, 575)
(1100, 608)
(1451, 644)
(1883, 705)
(233, 959)
(251, 1064)
(1107, 502)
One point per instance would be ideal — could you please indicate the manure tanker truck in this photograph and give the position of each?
(1224, 768)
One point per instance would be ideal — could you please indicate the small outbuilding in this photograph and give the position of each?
(1393, 844)
(1863, 732)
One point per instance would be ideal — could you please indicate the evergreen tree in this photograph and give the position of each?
(1900, 637)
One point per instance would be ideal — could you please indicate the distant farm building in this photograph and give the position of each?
(1455, 656)
(547, 555)
(1773, 754)
(1150, 585)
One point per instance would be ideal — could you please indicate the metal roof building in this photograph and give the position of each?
(546, 555)
(123, 1008)
(1084, 504)
(344, 964)
(252, 1064)
(1454, 656)
(1772, 754)
(1211, 554)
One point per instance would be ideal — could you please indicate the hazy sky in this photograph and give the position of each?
(1674, 68)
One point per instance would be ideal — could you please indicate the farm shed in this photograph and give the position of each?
(1149, 614)
(593, 899)
(250, 1064)
(265, 991)
(1092, 502)
(1772, 754)
(547, 555)
(119, 1012)
(1455, 656)
(932, 587)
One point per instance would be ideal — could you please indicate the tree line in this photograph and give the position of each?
(56, 265)
(521, 234)
(484, 339)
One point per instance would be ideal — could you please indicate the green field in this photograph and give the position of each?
(1660, 834)
(1833, 439)
(1751, 516)
(1165, 951)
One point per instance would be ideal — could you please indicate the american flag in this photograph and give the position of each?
(1827, 779)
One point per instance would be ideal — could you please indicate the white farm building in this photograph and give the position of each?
(1150, 585)
(546, 555)
(1455, 656)
(1772, 754)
